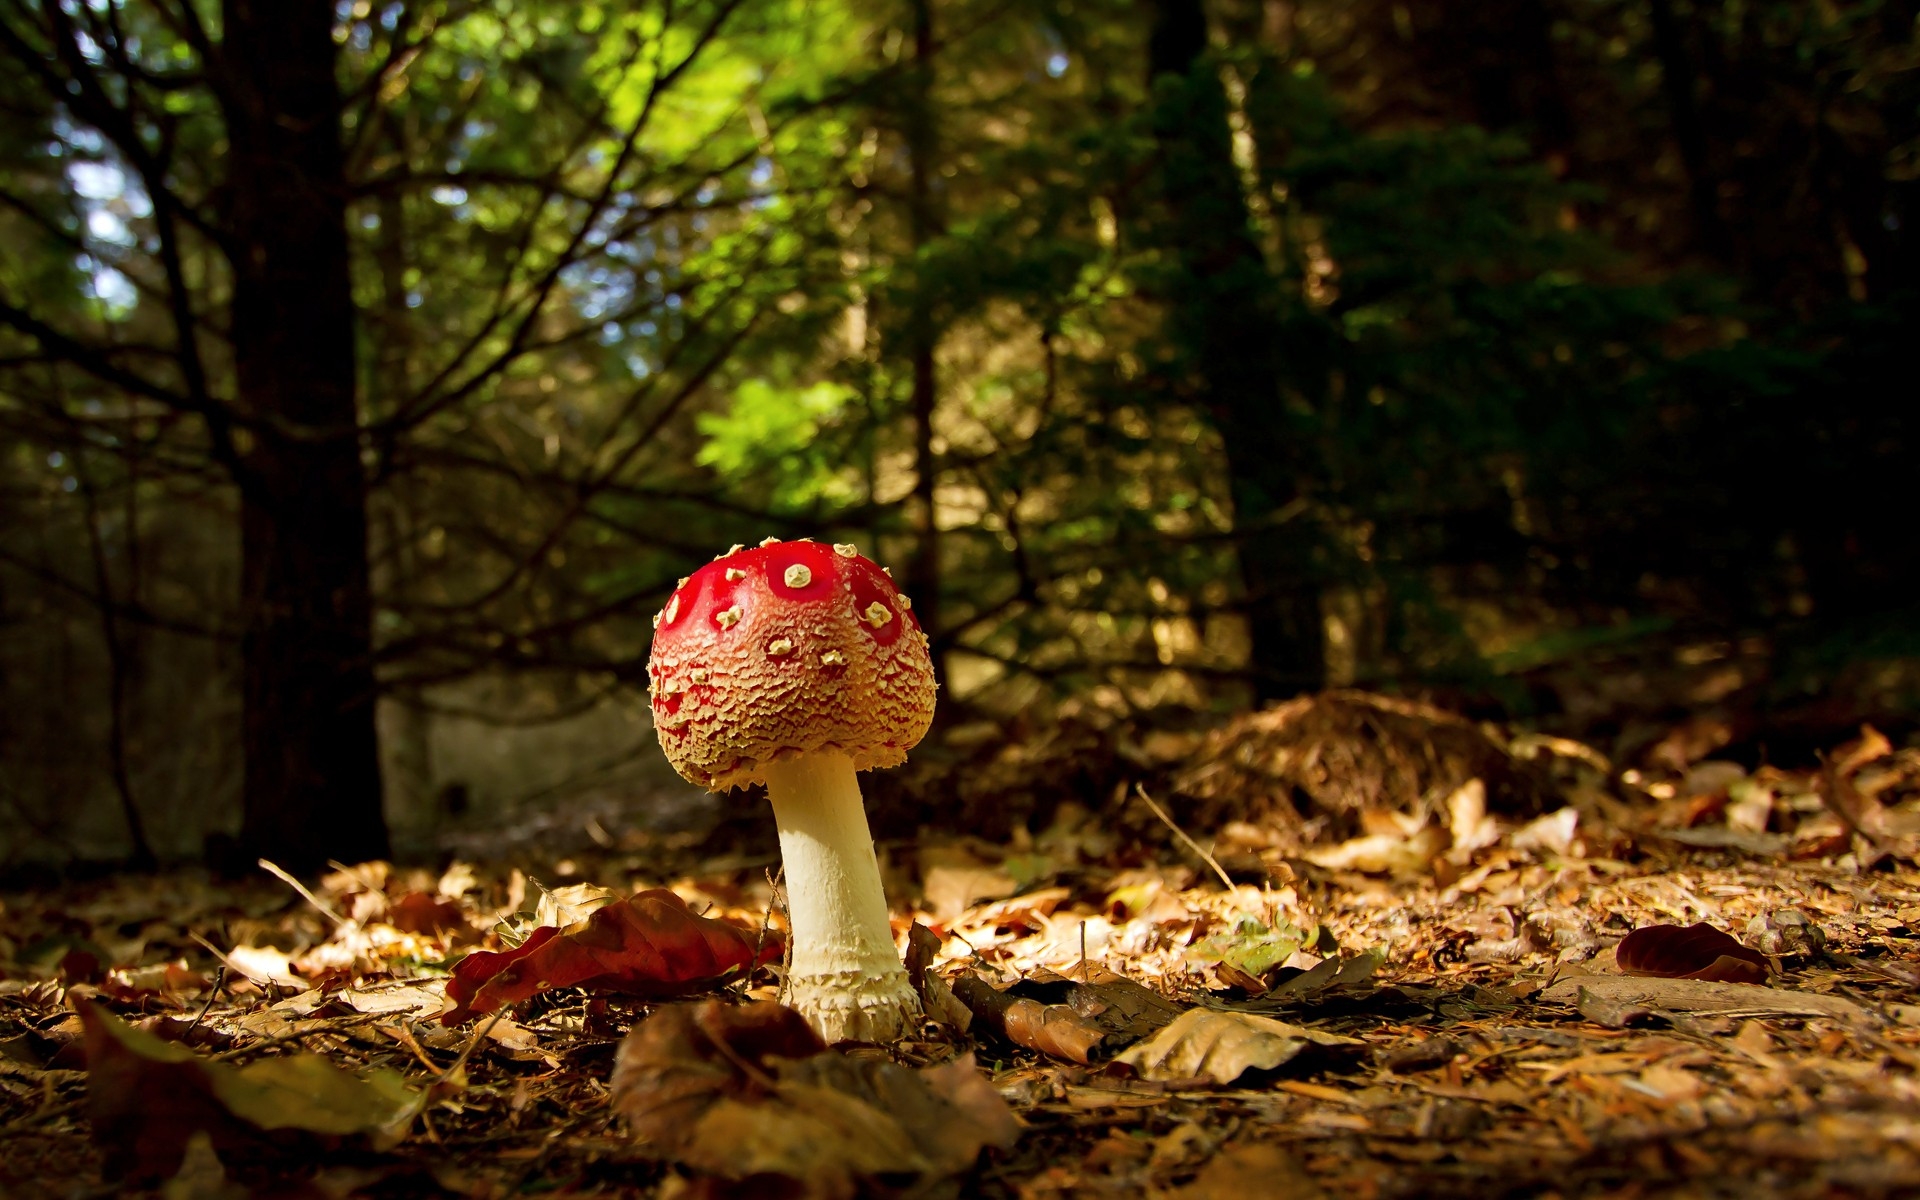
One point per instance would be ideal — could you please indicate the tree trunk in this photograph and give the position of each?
(1224, 321)
(312, 783)
(1679, 82)
(924, 224)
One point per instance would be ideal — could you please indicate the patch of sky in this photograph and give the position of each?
(81, 139)
(449, 195)
(673, 301)
(362, 38)
(56, 460)
(89, 49)
(762, 173)
(646, 329)
(611, 333)
(707, 192)
(415, 299)
(106, 226)
(1057, 64)
(469, 71)
(370, 221)
(97, 181)
(640, 367)
(112, 288)
(390, 16)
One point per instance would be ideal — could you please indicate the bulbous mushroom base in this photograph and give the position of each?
(854, 1006)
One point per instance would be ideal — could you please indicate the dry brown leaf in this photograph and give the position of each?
(1222, 1046)
(740, 1091)
(1055, 1030)
(1702, 996)
(1250, 1169)
(146, 1098)
(1384, 853)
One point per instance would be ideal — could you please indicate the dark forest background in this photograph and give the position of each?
(369, 372)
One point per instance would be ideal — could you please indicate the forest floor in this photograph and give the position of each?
(1351, 947)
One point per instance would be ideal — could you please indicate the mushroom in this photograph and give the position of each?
(795, 665)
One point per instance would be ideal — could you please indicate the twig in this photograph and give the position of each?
(45, 1113)
(466, 1052)
(325, 908)
(219, 982)
(766, 922)
(1182, 835)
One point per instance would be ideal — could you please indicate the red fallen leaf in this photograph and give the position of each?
(1693, 952)
(417, 912)
(648, 945)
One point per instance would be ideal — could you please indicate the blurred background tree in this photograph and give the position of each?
(375, 368)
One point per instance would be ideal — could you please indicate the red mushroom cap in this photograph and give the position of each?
(782, 650)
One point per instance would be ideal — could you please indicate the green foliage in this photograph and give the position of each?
(771, 436)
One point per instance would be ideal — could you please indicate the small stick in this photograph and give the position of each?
(219, 981)
(766, 922)
(327, 909)
(467, 1051)
(1182, 835)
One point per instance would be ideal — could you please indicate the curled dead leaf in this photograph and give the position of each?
(1055, 1030)
(1690, 952)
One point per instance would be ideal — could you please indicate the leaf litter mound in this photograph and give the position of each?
(1683, 978)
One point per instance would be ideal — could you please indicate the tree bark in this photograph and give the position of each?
(1680, 84)
(312, 782)
(924, 224)
(1224, 321)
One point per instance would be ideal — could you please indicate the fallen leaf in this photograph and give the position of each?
(1467, 818)
(1670, 1084)
(1422, 1055)
(750, 1090)
(264, 964)
(417, 912)
(1332, 972)
(1702, 996)
(403, 998)
(648, 945)
(936, 995)
(1690, 952)
(1723, 837)
(1222, 1046)
(1055, 1030)
(146, 1099)
(1384, 853)
(1610, 1013)
(1554, 832)
(572, 904)
(1126, 1010)
(1250, 946)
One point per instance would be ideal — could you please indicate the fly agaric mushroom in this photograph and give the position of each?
(796, 665)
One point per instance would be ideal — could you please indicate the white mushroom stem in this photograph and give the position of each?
(846, 977)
